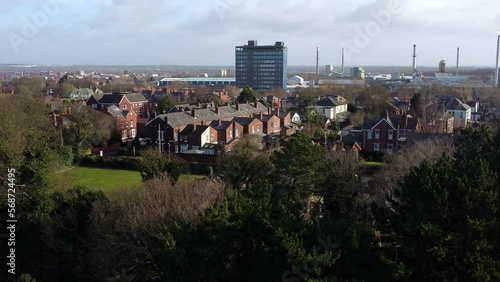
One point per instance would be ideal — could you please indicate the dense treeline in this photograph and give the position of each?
(300, 213)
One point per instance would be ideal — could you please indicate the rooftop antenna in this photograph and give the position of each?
(458, 60)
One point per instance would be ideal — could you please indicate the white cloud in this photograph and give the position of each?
(206, 31)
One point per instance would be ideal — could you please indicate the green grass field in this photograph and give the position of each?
(106, 180)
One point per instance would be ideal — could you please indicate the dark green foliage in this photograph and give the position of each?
(166, 103)
(245, 164)
(247, 96)
(153, 163)
(443, 221)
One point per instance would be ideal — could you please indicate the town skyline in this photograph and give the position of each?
(380, 33)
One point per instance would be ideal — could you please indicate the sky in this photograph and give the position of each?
(205, 32)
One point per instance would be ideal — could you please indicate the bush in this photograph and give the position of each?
(124, 163)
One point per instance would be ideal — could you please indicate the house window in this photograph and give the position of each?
(124, 107)
(377, 133)
(132, 133)
(102, 107)
(369, 134)
(390, 148)
(376, 147)
(258, 128)
(140, 104)
(237, 132)
(272, 124)
(124, 134)
(253, 128)
(94, 106)
(390, 134)
(212, 137)
(230, 133)
(461, 115)
(131, 123)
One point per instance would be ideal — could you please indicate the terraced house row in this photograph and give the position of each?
(212, 129)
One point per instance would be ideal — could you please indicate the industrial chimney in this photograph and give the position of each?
(414, 59)
(458, 60)
(498, 54)
(343, 59)
(317, 61)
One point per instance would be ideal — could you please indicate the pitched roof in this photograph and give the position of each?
(190, 130)
(244, 120)
(110, 99)
(398, 122)
(136, 97)
(223, 125)
(114, 99)
(225, 112)
(81, 91)
(117, 112)
(453, 104)
(329, 102)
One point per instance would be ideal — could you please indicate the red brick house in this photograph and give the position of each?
(195, 137)
(388, 134)
(271, 124)
(126, 102)
(126, 122)
(250, 125)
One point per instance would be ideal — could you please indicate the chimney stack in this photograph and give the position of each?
(343, 59)
(217, 110)
(317, 61)
(193, 112)
(238, 107)
(255, 104)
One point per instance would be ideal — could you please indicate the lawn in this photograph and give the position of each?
(106, 180)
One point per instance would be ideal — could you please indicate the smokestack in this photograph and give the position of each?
(317, 61)
(498, 55)
(343, 59)
(414, 58)
(458, 60)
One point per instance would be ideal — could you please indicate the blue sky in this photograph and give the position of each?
(204, 32)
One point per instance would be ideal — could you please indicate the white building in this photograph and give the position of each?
(459, 110)
(330, 107)
(296, 80)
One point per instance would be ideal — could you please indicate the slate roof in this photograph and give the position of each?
(117, 112)
(200, 129)
(135, 97)
(226, 112)
(114, 99)
(223, 125)
(243, 120)
(397, 121)
(81, 91)
(266, 118)
(329, 102)
(110, 99)
(453, 104)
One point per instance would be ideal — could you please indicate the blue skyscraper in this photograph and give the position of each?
(261, 67)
